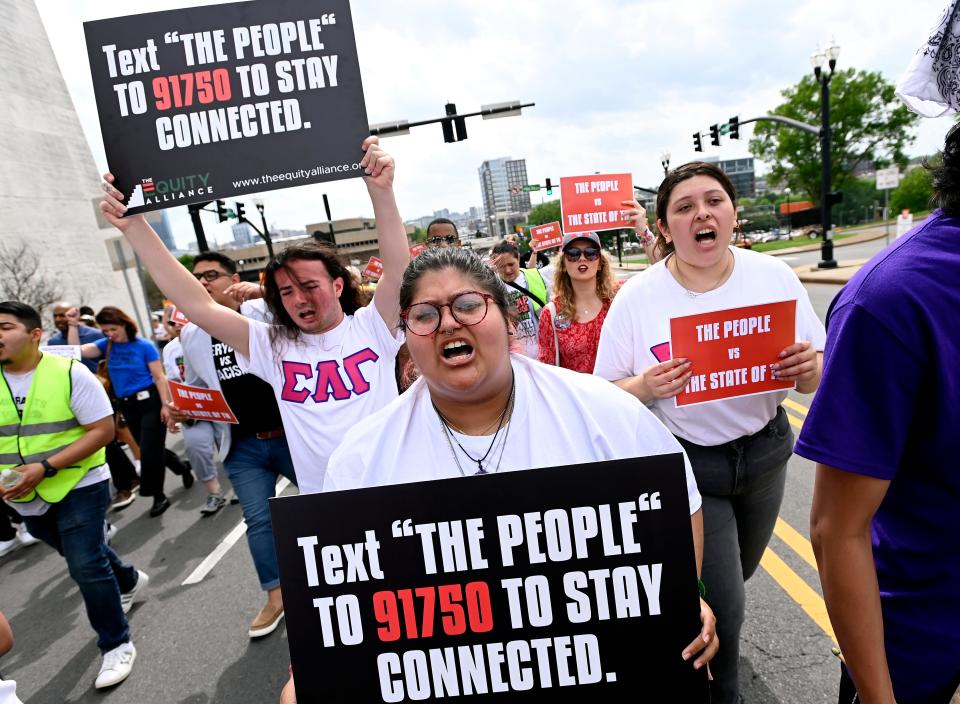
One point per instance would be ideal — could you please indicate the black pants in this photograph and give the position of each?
(121, 468)
(8, 517)
(143, 418)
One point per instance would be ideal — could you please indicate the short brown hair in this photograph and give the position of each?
(674, 179)
(111, 315)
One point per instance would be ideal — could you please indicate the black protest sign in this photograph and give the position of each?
(561, 584)
(210, 102)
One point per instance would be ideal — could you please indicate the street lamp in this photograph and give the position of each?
(258, 202)
(665, 161)
(822, 60)
(789, 215)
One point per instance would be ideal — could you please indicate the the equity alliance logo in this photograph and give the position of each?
(170, 190)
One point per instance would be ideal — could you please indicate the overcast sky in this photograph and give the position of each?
(615, 83)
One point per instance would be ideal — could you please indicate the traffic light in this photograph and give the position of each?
(549, 188)
(734, 130)
(715, 135)
(454, 129)
(697, 142)
(222, 211)
(239, 210)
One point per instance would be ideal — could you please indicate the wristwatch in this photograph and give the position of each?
(48, 469)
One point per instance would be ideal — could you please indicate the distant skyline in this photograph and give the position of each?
(615, 84)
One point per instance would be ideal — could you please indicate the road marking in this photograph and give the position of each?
(795, 422)
(794, 406)
(792, 537)
(211, 560)
(798, 590)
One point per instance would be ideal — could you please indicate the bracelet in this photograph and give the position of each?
(702, 588)
(646, 237)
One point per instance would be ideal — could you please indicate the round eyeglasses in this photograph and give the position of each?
(467, 308)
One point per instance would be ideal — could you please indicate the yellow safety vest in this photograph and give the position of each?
(47, 426)
(537, 286)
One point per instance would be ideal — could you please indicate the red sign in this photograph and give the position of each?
(417, 249)
(178, 317)
(199, 403)
(546, 236)
(731, 350)
(591, 203)
(374, 269)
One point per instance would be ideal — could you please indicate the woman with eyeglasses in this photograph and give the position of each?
(140, 385)
(584, 285)
(474, 397)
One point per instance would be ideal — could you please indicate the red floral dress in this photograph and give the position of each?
(578, 341)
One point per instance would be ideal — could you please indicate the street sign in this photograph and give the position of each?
(888, 178)
(531, 187)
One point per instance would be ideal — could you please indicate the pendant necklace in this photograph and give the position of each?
(681, 279)
(448, 435)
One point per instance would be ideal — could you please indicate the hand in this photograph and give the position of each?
(798, 363)
(667, 379)
(243, 291)
(32, 475)
(175, 414)
(635, 213)
(707, 641)
(377, 164)
(113, 208)
(532, 261)
(73, 317)
(165, 415)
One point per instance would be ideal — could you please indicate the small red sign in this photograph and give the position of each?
(546, 236)
(591, 203)
(417, 249)
(199, 403)
(178, 317)
(731, 350)
(374, 269)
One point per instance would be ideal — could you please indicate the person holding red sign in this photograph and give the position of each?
(330, 362)
(474, 395)
(739, 447)
(585, 285)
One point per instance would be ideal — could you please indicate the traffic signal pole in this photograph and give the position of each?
(195, 209)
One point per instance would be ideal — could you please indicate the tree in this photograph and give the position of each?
(914, 192)
(419, 235)
(868, 124)
(187, 260)
(21, 278)
(544, 213)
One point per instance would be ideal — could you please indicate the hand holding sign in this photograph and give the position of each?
(799, 363)
(113, 208)
(377, 165)
(667, 379)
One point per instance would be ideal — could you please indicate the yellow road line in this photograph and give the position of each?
(795, 422)
(798, 590)
(792, 537)
(794, 406)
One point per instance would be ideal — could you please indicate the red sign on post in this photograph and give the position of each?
(178, 317)
(374, 269)
(591, 203)
(732, 350)
(417, 249)
(546, 236)
(199, 403)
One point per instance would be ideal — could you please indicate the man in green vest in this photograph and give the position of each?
(55, 419)
(528, 292)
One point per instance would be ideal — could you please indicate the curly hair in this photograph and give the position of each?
(946, 175)
(606, 286)
(284, 325)
(674, 179)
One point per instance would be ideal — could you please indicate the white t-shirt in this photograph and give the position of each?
(560, 418)
(89, 403)
(526, 338)
(353, 366)
(636, 335)
(172, 354)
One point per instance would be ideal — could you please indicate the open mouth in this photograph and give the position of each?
(457, 350)
(307, 316)
(583, 268)
(706, 236)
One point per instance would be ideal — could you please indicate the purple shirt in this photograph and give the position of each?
(889, 407)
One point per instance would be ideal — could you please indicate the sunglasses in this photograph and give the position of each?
(467, 308)
(442, 239)
(209, 275)
(573, 254)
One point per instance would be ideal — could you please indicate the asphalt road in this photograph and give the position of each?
(191, 638)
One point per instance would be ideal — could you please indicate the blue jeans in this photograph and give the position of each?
(742, 484)
(74, 528)
(253, 467)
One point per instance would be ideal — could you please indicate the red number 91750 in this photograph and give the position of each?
(460, 608)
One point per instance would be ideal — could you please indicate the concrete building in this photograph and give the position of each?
(741, 173)
(243, 234)
(504, 204)
(160, 219)
(49, 177)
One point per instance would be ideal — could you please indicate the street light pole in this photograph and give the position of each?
(258, 202)
(820, 60)
(665, 162)
(789, 215)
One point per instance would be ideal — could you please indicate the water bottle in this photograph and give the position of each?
(10, 478)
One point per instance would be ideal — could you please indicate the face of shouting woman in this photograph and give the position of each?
(700, 222)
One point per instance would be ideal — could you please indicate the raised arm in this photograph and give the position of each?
(173, 279)
(391, 235)
(87, 351)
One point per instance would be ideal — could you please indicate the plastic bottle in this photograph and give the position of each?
(10, 478)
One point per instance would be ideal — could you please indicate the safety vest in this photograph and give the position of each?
(537, 286)
(47, 426)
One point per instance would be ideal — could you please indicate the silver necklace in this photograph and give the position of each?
(696, 294)
(450, 438)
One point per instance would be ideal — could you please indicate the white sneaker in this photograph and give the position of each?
(23, 535)
(116, 667)
(126, 600)
(110, 532)
(8, 546)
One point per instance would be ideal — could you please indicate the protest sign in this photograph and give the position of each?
(417, 249)
(68, 351)
(178, 317)
(199, 403)
(374, 269)
(546, 236)
(732, 350)
(591, 203)
(525, 586)
(204, 103)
